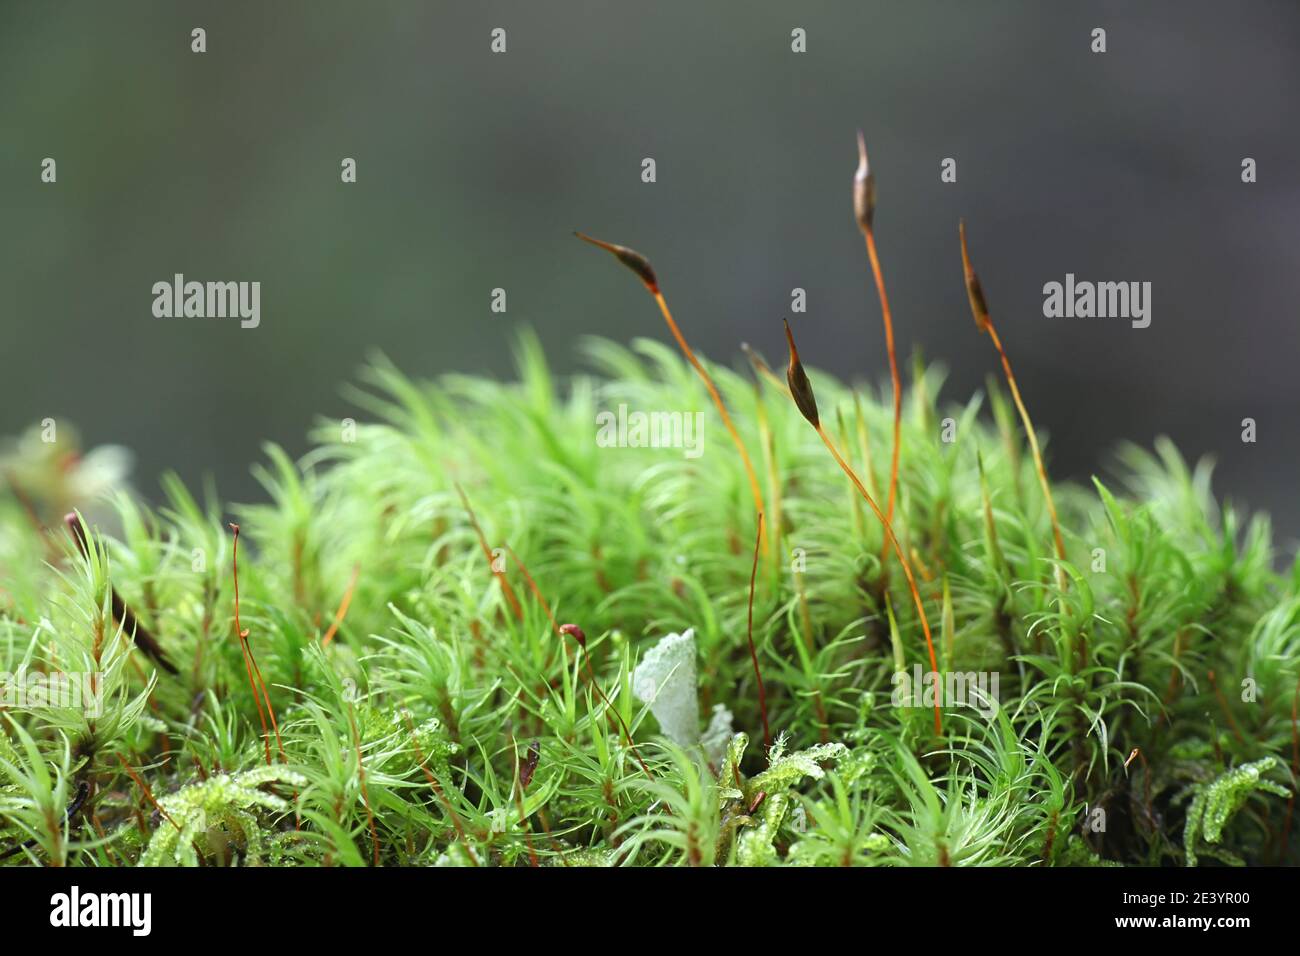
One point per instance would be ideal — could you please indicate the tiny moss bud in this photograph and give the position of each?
(575, 632)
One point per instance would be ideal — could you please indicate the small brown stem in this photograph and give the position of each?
(802, 391)
(257, 684)
(768, 449)
(144, 788)
(546, 608)
(121, 612)
(506, 589)
(893, 374)
(641, 266)
(1223, 705)
(342, 611)
(902, 559)
(575, 632)
(980, 311)
(864, 205)
(753, 654)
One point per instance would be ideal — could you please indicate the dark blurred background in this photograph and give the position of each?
(474, 167)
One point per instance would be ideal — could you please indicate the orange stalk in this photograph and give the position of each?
(342, 612)
(864, 206)
(980, 311)
(250, 665)
(546, 608)
(765, 443)
(753, 654)
(144, 788)
(506, 589)
(804, 399)
(641, 267)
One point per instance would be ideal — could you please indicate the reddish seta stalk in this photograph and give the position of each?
(541, 600)
(144, 788)
(506, 589)
(342, 612)
(984, 322)
(753, 654)
(575, 632)
(802, 392)
(258, 684)
(864, 210)
(641, 268)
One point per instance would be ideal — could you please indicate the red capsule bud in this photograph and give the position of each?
(575, 632)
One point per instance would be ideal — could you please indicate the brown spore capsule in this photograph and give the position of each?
(629, 257)
(801, 389)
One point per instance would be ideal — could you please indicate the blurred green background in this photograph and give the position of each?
(475, 167)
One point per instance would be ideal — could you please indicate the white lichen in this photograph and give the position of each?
(717, 735)
(666, 680)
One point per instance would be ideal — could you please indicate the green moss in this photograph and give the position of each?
(445, 729)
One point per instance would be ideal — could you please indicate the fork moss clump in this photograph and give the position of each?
(434, 704)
